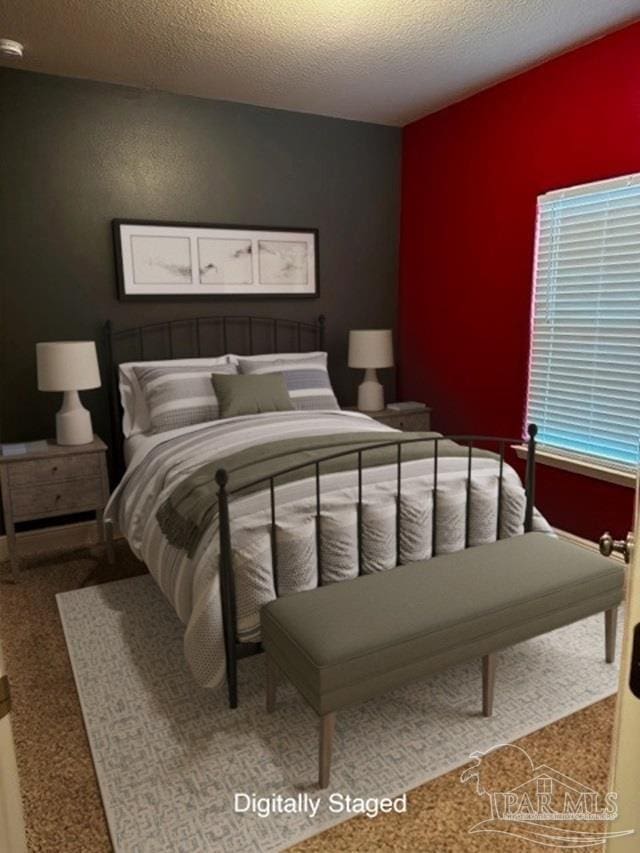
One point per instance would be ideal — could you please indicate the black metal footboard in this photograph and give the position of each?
(233, 648)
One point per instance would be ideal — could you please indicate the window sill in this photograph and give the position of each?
(598, 471)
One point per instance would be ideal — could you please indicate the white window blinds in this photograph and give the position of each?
(584, 386)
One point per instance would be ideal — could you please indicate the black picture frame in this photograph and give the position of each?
(129, 291)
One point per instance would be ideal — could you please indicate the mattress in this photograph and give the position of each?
(159, 463)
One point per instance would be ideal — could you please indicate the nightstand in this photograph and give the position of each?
(419, 421)
(52, 481)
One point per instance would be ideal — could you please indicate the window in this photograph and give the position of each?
(584, 386)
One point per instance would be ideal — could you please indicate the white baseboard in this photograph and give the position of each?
(577, 540)
(586, 543)
(81, 534)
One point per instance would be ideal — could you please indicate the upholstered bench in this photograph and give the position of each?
(351, 641)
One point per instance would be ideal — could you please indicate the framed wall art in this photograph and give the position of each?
(173, 260)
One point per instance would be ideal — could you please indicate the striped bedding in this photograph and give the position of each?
(191, 584)
(178, 396)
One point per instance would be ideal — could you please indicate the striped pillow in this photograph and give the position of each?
(178, 396)
(307, 379)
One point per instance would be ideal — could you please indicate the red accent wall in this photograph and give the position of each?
(471, 175)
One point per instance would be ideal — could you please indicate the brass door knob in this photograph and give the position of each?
(608, 545)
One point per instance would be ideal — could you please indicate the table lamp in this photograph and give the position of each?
(69, 366)
(370, 349)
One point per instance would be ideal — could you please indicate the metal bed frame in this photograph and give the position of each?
(234, 650)
(206, 336)
(298, 332)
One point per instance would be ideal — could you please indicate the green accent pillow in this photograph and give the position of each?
(251, 394)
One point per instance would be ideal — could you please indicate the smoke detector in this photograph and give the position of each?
(9, 47)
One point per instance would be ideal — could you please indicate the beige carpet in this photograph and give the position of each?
(62, 802)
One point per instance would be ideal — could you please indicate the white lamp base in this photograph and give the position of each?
(370, 392)
(73, 421)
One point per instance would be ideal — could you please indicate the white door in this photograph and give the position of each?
(12, 837)
(625, 772)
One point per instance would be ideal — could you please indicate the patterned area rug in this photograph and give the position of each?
(171, 757)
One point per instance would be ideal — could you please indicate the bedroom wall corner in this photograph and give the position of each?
(471, 176)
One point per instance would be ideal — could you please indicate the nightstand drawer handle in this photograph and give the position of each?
(58, 498)
(54, 469)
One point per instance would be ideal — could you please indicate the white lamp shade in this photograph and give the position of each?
(67, 366)
(371, 348)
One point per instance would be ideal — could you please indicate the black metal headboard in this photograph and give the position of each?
(196, 337)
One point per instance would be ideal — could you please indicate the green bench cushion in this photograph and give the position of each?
(349, 641)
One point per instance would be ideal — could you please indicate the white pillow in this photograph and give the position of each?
(179, 396)
(278, 356)
(136, 418)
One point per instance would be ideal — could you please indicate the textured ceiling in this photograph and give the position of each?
(387, 61)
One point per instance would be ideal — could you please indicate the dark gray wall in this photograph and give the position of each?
(75, 154)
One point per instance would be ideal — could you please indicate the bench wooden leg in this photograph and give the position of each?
(272, 683)
(610, 626)
(327, 728)
(488, 683)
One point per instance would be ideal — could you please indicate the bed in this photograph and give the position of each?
(229, 513)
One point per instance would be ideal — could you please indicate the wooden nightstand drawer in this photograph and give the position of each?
(54, 470)
(31, 502)
(43, 479)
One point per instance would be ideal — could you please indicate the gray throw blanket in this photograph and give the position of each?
(186, 513)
